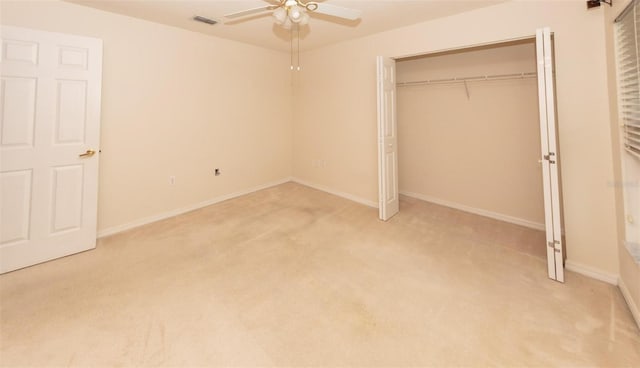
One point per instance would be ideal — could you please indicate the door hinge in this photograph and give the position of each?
(555, 245)
(550, 157)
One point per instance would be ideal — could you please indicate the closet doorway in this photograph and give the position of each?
(474, 129)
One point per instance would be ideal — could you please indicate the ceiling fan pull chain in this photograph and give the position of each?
(291, 47)
(298, 32)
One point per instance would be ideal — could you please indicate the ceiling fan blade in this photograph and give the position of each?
(251, 11)
(338, 11)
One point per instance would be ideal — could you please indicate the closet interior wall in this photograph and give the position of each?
(472, 145)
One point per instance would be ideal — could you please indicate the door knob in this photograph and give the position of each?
(89, 153)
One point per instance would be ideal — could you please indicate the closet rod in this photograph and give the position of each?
(469, 79)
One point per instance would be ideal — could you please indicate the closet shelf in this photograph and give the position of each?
(469, 79)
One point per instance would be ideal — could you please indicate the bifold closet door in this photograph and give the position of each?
(548, 142)
(388, 198)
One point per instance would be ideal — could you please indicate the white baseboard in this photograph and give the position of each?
(591, 272)
(633, 307)
(477, 211)
(162, 216)
(348, 196)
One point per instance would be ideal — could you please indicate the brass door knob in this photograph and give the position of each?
(89, 153)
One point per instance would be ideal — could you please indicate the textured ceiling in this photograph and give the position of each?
(377, 16)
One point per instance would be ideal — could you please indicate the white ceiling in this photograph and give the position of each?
(377, 16)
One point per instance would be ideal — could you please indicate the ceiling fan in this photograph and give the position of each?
(289, 12)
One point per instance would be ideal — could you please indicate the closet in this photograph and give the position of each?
(468, 131)
(474, 129)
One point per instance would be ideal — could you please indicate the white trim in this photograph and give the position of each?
(477, 211)
(162, 216)
(633, 307)
(592, 272)
(348, 196)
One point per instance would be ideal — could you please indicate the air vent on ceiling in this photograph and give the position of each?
(204, 20)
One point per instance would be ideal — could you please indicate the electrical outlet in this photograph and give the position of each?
(172, 180)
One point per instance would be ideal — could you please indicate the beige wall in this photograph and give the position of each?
(480, 151)
(178, 103)
(335, 111)
(629, 270)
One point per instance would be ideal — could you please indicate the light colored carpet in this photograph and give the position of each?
(291, 276)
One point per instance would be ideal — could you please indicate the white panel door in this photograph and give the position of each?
(546, 99)
(389, 202)
(49, 135)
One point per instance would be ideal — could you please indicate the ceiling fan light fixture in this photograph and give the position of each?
(305, 19)
(296, 13)
(280, 15)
